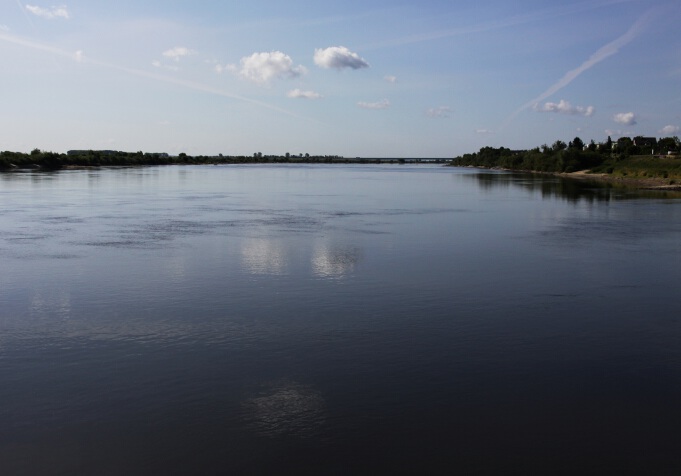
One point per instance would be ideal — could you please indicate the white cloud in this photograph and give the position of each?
(483, 131)
(438, 112)
(297, 93)
(626, 118)
(670, 130)
(618, 132)
(263, 67)
(79, 56)
(564, 107)
(49, 13)
(158, 64)
(338, 57)
(390, 79)
(601, 54)
(178, 52)
(384, 104)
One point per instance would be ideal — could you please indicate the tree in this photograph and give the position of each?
(577, 143)
(558, 146)
(668, 143)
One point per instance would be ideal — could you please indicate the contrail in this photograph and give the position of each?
(142, 74)
(601, 54)
(495, 25)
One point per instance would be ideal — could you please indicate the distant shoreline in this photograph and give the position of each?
(54, 161)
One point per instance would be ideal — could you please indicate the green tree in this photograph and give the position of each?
(667, 143)
(558, 146)
(577, 144)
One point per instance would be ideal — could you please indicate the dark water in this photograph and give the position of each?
(336, 320)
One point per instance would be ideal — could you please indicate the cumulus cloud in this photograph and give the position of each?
(338, 57)
(263, 67)
(178, 52)
(49, 13)
(439, 112)
(564, 107)
(670, 130)
(626, 118)
(384, 104)
(299, 94)
(390, 79)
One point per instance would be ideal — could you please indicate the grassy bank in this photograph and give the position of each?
(641, 171)
(641, 167)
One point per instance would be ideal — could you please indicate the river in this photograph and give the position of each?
(336, 319)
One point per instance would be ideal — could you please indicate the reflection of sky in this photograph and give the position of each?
(44, 305)
(175, 267)
(261, 256)
(286, 408)
(328, 262)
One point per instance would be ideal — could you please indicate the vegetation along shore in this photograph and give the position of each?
(38, 159)
(642, 162)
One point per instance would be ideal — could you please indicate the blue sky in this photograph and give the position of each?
(434, 78)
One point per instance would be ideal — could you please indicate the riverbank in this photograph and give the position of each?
(638, 183)
(641, 183)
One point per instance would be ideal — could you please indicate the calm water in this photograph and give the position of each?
(336, 320)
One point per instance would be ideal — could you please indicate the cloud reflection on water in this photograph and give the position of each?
(262, 256)
(330, 262)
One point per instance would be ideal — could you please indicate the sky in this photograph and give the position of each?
(369, 78)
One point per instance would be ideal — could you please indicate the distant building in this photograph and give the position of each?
(641, 141)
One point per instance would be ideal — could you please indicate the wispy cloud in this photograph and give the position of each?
(602, 53)
(617, 132)
(49, 13)
(670, 130)
(439, 112)
(263, 67)
(483, 131)
(338, 57)
(534, 16)
(626, 118)
(178, 52)
(298, 94)
(383, 104)
(193, 85)
(169, 67)
(564, 107)
(390, 79)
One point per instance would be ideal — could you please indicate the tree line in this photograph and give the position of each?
(103, 158)
(566, 157)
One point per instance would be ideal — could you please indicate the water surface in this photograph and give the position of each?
(336, 319)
